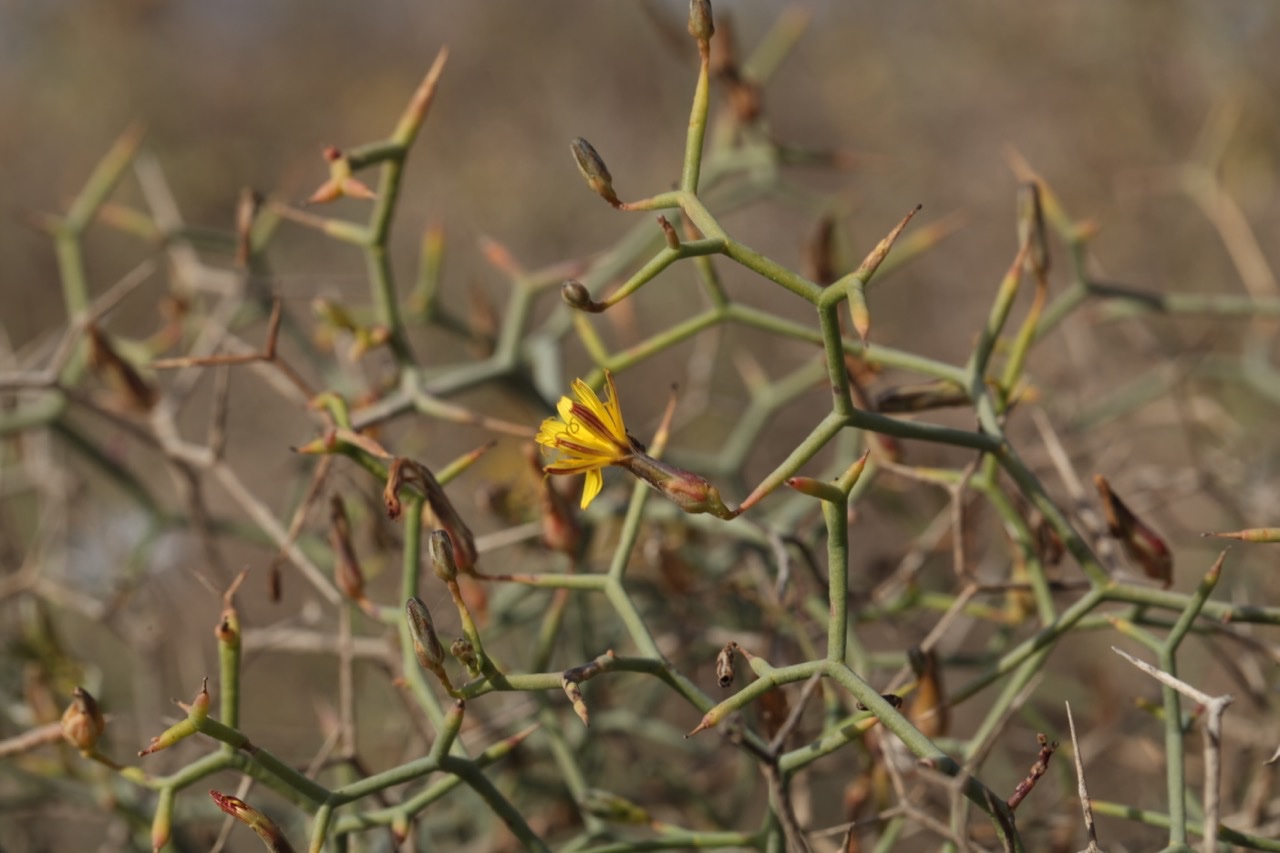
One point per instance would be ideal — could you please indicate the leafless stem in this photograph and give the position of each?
(1216, 706)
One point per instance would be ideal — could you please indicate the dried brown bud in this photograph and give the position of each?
(133, 393)
(928, 707)
(774, 709)
(669, 233)
(1142, 544)
(745, 99)
(82, 722)
(346, 568)
(247, 207)
(405, 472)
(819, 255)
(593, 169)
(724, 664)
(1031, 229)
(560, 528)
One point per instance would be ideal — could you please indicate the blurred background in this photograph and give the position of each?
(929, 94)
(925, 101)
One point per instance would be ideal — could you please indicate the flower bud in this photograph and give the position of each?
(701, 26)
(560, 528)
(82, 722)
(687, 490)
(442, 561)
(576, 294)
(426, 645)
(593, 169)
(465, 653)
(264, 826)
(346, 568)
(404, 472)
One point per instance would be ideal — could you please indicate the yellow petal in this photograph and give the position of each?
(607, 413)
(613, 410)
(583, 445)
(574, 465)
(591, 486)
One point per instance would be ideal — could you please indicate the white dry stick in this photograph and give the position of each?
(1216, 706)
(1082, 790)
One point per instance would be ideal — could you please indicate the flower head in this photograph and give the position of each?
(589, 434)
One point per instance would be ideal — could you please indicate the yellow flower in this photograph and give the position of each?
(589, 435)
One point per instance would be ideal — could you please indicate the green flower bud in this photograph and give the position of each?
(593, 169)
(426, 645)
(442, 561)
(701, 26)
(576, 294)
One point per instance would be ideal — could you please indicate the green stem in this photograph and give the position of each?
(496, 802)
(697, 122)
(386, 303)
(837, 374)
(1163, 821)
(836, 517)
